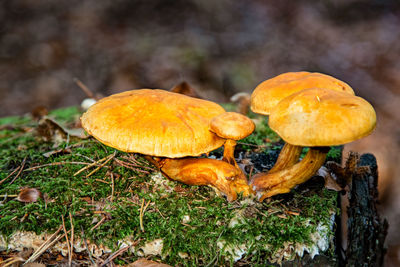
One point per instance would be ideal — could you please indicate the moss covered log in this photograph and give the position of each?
(120, 199)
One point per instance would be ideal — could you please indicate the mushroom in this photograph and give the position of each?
(270, 92)
(231, 126)
(317, 118)
(242, 100)
(168, 127)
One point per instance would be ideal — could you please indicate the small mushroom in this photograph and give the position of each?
(87, 103)
(315, 118)
(170, 129)
(231, 126)
(270, 92)
(242, 100)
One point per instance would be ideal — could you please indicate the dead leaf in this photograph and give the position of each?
(184, 88)
(330, 182)
(39, 112)
(34, 264)
(29, 195)
(147, 263)
(52, 131)
(58, 151)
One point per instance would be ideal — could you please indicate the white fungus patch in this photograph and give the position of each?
(162, 183)
(153, 247)
(183, 255)
(320, 243)
(248, 202)
(185, 218)
(237, 219)
(235, 252)
(21, 240)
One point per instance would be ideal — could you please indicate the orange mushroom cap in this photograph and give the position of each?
(232, 125)
(322, 117)
(154, 122)
(268, 93)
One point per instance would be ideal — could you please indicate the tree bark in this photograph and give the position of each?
(366, 231)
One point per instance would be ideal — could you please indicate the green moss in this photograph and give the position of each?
(263, 227)
(15, 120)
(64, 115)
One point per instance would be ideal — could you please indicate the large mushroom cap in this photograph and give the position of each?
(154, 122)
(232, 125)
(268, 93)
(322, 117)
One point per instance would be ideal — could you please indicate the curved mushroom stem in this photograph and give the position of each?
(241, 183)
(288, 156)
(270, 184)
(229, 149)
(226, 178)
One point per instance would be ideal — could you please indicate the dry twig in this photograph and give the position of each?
(46, 245)
(247, 144)
(112, 186)
(56, 164)
(86, 157)
(99, 223)
(95, 163)
(86, 245)
(66, 238)
(142, 210)
(72, 240)
(8, 176)
(117, 253)
(20, 170)
(110, 157)
(11, 261)
(135, 163)
(130, 166)
(84, 88)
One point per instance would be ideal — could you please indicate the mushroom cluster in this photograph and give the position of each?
(306, 109)
(171, 129)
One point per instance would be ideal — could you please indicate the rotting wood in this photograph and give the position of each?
(366, 231)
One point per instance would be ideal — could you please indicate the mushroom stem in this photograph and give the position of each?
(229, 148)
(241, 184)
(270, 184)
(228, 179)
(288, 156)
(225, 177)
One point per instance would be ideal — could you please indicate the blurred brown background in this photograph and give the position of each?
(220, 47)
